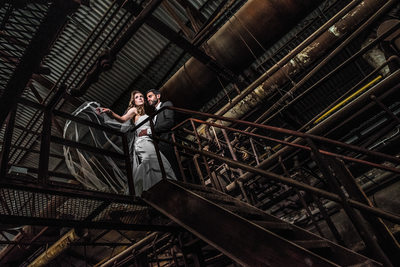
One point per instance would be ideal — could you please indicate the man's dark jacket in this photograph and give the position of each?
(164, 122)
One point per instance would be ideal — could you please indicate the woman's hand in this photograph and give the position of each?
(103, 110)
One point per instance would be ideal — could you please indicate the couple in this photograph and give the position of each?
(145, 165)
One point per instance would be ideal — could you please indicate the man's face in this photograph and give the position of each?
(153, 99)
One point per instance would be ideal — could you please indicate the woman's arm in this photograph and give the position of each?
(127, 116)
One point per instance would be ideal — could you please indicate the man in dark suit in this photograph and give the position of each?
(163, 122)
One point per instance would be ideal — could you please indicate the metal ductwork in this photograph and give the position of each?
(257, 25)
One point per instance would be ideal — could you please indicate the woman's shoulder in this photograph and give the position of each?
(132, 109)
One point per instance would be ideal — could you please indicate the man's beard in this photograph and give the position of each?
(153, 103)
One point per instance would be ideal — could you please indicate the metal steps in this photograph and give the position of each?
(244, 233)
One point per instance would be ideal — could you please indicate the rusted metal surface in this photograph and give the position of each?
(253, 171)
(288, 57)
(368, 9)
(197, 53)
(213, 179)
(303, 147)
(359, 224)
(257, 20)
(276, 110)
(385, 108)
(312, 136)
(384, 89)
(303, 202)
(324, 42)
(235, 236)
(385, 238)
(393, 40)
(56, 249)
(134, 250)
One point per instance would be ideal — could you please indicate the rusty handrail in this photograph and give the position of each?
(291, 132)
(303, 186)
(324, 152)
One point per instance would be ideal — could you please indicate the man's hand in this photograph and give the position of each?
(143, 132)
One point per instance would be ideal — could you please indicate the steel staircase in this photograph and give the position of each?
(244, 233)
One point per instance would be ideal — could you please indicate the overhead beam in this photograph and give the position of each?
(174, 37)
(105, 62)
(37, 49)
(197, 53)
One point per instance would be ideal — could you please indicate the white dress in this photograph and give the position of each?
(102, 172)
(147, 173)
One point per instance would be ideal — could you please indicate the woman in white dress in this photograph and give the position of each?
(147, 172)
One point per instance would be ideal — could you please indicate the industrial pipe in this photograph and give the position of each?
(387, 87)
(57, 248)
(254, 27)
(288, 57)
(307, 56)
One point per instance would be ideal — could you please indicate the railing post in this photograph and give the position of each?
(198, 170)
(326, 215)
(215, 182)
(383, 234)
(155, 142)
(228, 142)
(7, 143)
(45, 141)
(43, 172)
(253, 147)
(178, 157)
(233, 154)
(302, 200)
(355, 217)
(128, 165)
(328, 220)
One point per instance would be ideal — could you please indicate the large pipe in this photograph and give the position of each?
(57, 248)
(310, 54)
(258, 24)
(383, 89)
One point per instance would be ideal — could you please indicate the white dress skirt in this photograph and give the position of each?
(148, 172)
(102, 172)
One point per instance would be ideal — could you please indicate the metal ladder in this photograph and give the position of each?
(244, 233)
